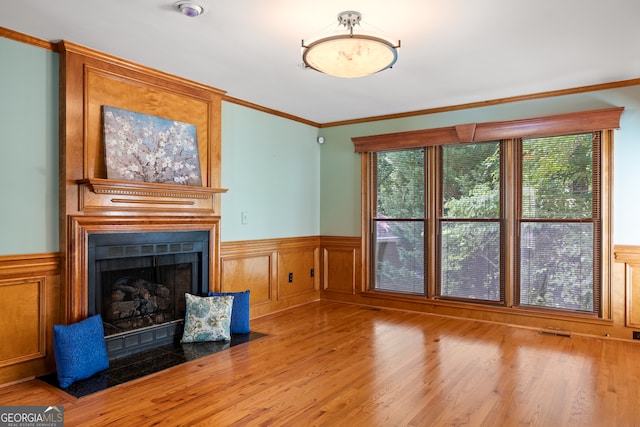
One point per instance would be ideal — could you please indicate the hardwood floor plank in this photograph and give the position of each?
(332, 364)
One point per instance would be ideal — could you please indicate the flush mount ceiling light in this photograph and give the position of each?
(189, 8)
(350, 55)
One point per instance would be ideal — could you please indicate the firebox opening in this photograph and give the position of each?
(151, 293)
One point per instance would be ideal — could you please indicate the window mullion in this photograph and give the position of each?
(510, 217)
(433, 214)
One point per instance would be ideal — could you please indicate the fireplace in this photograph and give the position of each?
(93, 206)
(137, 282)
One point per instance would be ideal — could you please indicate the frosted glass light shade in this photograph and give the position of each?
(350, 55)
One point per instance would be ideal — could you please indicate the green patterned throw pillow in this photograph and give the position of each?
(207, 318)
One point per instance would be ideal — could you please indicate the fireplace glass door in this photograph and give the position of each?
(144, 291)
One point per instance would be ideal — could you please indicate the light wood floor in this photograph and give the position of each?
(330, 364)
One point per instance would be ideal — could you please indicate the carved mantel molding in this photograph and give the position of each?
(102, 194)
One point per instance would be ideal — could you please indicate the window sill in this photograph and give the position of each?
(481, 310)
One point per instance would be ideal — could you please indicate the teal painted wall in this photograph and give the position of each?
(271, 167)
(340, 166)
(29, 153)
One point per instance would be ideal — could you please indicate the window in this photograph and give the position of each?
(399, 219)
(559, 222)
(512, 216)
(471, 232)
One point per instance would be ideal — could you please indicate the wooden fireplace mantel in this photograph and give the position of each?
(107, 194)
(92, 203)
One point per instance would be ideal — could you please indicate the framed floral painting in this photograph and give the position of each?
(141, 147)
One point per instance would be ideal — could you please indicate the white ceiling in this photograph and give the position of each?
(453, 51)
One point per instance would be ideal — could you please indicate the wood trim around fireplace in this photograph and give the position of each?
(74, 290)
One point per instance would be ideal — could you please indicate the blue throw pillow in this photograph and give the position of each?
(239, 312)
(80, 350)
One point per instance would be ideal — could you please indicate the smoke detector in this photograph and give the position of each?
(190, 8)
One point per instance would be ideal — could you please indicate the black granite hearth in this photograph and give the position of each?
(138, 365)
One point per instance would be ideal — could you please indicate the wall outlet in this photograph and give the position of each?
(636, 335)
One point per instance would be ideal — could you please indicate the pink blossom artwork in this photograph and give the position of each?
(141, 147)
